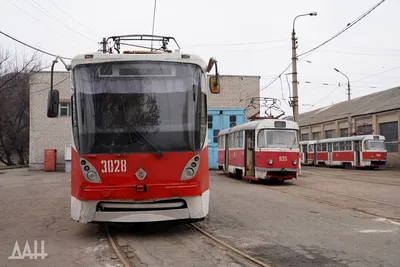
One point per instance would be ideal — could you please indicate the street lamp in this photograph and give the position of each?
(348, 83)
(294, 69)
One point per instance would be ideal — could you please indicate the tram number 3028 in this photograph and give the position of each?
(111, 166)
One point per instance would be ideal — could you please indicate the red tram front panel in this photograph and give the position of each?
(133, 176)
(277, 164)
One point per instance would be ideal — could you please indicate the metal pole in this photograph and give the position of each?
(348, 89)
(104, 45)
(154, 18)
(294, 79)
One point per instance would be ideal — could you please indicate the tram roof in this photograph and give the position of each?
(341, 139)
(174, 56)
(258, 124)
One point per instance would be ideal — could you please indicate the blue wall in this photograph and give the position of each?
(220, 119)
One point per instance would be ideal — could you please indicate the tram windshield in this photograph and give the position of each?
(124, 106)
(374, 145)
(277, 139)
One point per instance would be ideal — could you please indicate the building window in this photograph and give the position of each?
(364, 129)
(390, 131)
(215, 133)
(304, 137)
(210, 121)
(65, 109)
(232, 120)
(344, 132)
(329, 133)
(315, 136)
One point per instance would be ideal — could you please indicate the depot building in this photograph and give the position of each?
(377, 113)
(225, 110)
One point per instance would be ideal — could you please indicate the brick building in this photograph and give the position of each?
(229, 108)
(377, 113)
(55, 133)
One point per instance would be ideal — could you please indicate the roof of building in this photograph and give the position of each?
(369, 104)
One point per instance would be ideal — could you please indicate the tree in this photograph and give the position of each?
(14, 105)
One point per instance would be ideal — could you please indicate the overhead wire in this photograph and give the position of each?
(34, 48)
(41, 22)
(48, 14)
(59, 8)
(351, 24)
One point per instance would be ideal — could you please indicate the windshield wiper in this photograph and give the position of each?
(294, 142)
(144, 139)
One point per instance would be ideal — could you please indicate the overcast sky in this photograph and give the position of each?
(247, 37)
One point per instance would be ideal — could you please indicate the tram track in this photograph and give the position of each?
(355, 180)
(350, 196)
(321, 200)
(212, 238)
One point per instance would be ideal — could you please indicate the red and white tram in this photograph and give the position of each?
(139, 127)
(260, 149)
(353, 151)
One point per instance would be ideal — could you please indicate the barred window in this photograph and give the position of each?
(391, 133)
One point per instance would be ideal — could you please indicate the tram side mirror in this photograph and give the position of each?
(53, 102)
(215, 86)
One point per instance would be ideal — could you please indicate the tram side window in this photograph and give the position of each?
(236, 140)
(261, 139)
(342, 146)
(310, 148)
(336, 146)
(318, 147)
(323, 148)
(348, 145)
(241, 144)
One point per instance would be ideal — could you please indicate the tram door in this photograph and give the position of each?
(226, 152)
(357, 150)
(305, 154)
(250, 151)
(314, 146)
(329, 153)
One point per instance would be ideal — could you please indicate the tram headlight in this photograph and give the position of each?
(191, 168)
(294, 162)
(372, 157)
(92, 176)
(189, 172)
(270, 162)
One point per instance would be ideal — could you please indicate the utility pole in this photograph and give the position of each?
(348, 90)
(294, 79)
(348, 83)
(295, 98)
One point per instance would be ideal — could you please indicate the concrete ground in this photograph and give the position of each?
(288, 225)
(36, 206)
(327, 217)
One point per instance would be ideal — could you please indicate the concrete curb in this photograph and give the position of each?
(13, 167)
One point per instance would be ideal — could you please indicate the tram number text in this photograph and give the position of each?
(117, 165)
(282, 158)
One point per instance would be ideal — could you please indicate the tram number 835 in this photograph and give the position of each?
(110, 166)
(282, 158)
